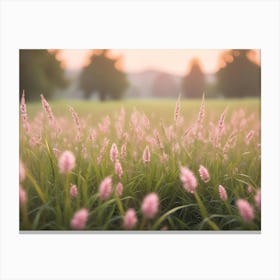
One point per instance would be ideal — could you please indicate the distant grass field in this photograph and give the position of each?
(158, 108)
(161, 146)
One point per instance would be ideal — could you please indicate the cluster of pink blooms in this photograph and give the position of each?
(105, 188)
(66, 162)
(77, 122)
(22, 196)
(80, 219)
(22, 192)
(204, 174)
(114, 153)
(150, 205)
(188, 179)
(48, 111)
(149, 208)
(177, 110)
(189, 182)
(24, 117)
(155, 144)
(258, 198)
(130, 219)
(146, 155)
(73, 191)
(223, 193)
(119, 189)
(103, 150)
(246, 211)
(118, 168)
(21, 171)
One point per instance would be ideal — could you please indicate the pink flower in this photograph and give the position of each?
(188, 179)
(80, 219)
(48, 110)
(21, 171)
(114, 152)
(73, 191)
(77, 122)
(177, 109)
(105, 188)
(22, 196)
(258, 198)
(119, 189)
(103, 150)
(222, 193)
(118, 168)
(249, 137)
(24, 117)
(130, 219)
(123, 151)
(246, 211)
(150, 205)
(146, 155)
(249, 189)
(204, 174)
(201, 113)
(66, 162)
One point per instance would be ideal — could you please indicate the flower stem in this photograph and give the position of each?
(204, 212)
(67, 199)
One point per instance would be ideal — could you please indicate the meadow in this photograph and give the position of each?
(140, 165)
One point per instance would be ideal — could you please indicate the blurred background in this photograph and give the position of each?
(132, 74)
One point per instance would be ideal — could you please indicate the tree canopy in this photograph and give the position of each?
(239, 76)
(193, 84)
(103, 76)
(40, 72)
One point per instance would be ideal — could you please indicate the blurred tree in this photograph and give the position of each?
(239, 76)
(103, 76)
(40, 72)
(193, 84)
(165, 86)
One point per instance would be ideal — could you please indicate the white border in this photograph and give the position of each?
(155, 24)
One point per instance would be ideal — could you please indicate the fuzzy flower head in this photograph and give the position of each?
(123, 151)
(80, 219)
(146, 155)
(21, 172)
(130, 219)
(114, 152)
(150, 205)
(119, 189)
(204, 174)
(73, 191)
(105, 188)
(188, 179)
(246, 211)
(22, 196)
(118, 168)
(258, 198)
(249, 189)
(223, 193)
(66, 162)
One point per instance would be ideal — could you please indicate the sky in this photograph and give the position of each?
(171, 61)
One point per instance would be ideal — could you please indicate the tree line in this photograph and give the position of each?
(41, 71)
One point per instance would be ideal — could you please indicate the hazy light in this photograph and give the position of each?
(172, 61)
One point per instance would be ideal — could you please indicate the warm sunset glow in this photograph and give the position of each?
(172, 61)
(74, 59)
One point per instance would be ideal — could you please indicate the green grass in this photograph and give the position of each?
(47, 190)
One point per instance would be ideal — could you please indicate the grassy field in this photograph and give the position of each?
(140, 165)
